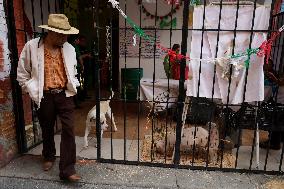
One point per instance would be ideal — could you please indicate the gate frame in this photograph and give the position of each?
(180, 105)
(16, 89)
(14, 58)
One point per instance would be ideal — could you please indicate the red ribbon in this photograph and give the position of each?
(266, 47)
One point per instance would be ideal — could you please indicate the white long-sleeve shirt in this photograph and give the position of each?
(30, 71)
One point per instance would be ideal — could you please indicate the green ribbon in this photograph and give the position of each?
(195, 2)
(248, 53)
(171, 23)
(139, 31)
(163, 23)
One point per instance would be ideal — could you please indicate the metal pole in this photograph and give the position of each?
(181, 97)
(16, 89)
(97, 79)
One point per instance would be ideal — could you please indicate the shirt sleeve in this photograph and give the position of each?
(24, 67)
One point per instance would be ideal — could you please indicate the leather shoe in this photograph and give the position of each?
(47, 165)
(71, 178)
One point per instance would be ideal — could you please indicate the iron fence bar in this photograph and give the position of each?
(273, 122)
(41, 15)
(34, 35)
(33, 15)
(154, 78)
(55, 5)
(124, 85)
(48, 6)
(151, 164)
(181, 98)
(270, 28)
(110, 73)
(139, 87)
(32, 104)
(245, 89)
(252, 146)
(230, 81)
(97, 79)
(61, 6)
(199, 74)
(274, 46)
(269, 142)
(24, 30)
(168, 86)
(16, 89)
(279, 71)
(162, 102)
(23, 17)
(214, 80)
(279, 39)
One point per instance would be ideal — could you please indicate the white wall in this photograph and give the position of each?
(5, 64)
(132, 12)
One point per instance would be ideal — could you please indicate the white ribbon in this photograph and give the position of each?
(134, 40)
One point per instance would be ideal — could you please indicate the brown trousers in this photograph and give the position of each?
(51, 106)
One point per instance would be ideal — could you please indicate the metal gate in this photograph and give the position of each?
(172, 122)
(193, 129)
(23, 18)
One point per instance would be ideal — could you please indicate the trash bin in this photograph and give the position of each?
(130, 81)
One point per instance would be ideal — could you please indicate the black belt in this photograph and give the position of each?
(54, 91)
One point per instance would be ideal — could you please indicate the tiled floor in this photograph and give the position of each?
(90, 152)
(273, 158)
(127, 137)
(131, 152)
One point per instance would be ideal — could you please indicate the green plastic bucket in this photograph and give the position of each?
(130, 81)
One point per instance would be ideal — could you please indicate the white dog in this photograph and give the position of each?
(91, 119)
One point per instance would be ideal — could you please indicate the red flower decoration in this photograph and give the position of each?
(266, 46)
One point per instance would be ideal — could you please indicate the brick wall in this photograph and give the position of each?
(8, 145)
(19, 21)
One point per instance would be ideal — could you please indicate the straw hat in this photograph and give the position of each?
(59, 23)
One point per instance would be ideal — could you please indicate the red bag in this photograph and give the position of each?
(176, 71)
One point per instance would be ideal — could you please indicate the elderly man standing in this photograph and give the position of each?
(46, 70)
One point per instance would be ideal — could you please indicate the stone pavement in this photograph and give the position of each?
(25, 173)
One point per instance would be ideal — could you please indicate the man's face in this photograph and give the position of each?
(59, 39)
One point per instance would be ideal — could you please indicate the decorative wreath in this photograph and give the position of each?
(148, 14)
